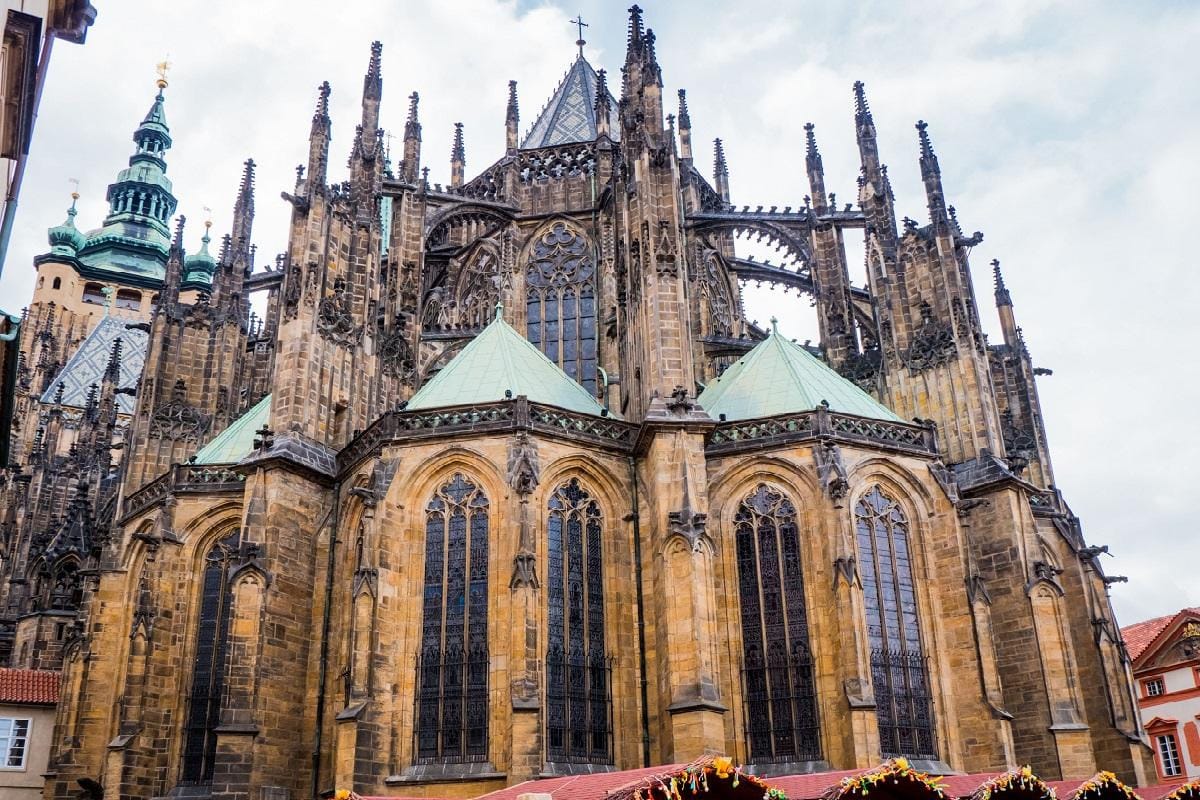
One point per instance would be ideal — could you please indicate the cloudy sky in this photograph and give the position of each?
(1066, 133)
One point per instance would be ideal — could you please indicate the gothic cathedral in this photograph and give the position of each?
(500, 482)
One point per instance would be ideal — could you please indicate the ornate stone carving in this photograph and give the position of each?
(932, 342)
(335, 321)
(945, 479)
(522, 464)
(665, 250)
(396, 355)
(177, 420)
(688, 525)
(831, 470)
(862, 368)
(680, 402)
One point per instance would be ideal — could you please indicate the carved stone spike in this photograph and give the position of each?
(522, 464)
(680, 402)
(689, 525)
(831, 470)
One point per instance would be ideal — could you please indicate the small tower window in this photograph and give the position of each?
(93, 293)
(57, 283)
(128, 298)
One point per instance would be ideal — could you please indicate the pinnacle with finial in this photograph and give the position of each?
(862, 111)
(458, 152)
(512, 114)
(162, 68)
(929, 160)
(1003, 298)
(810, 139)
(412, 128)
(635, 25)
(685, 119)
(602, 90)
(322, 112)
(719, 165)
(373, 81)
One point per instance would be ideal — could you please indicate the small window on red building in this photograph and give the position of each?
(1154, 687)
(1168, 754)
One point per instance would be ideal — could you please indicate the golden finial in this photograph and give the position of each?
(74, 187)
(207, 218)
(161, 68)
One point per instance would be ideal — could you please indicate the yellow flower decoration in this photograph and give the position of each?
(722, 766)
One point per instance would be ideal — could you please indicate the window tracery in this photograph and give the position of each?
(560, 285)
(781, 699)
(903, 696)
(578, 703)
(452, 707)
(208, 664)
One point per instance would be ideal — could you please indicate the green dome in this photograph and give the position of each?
(66, 239)
(199, 267)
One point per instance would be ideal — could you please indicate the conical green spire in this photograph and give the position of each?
(142, 193)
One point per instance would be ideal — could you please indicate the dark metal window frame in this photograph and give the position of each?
(560, 291)
(208, 663)
(899, 672)
(452, 668)
(578, 721)
(782, 722)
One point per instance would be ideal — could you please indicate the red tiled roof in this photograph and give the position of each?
(28, 686)
(1141, 635)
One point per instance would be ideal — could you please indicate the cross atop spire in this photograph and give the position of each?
(580, 24)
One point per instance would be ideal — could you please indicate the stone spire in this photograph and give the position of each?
(816, 169)
(318, 141)
(458, 157)
(511, 119)
(603, 106)
(412, 141)
(372, 93)
(720, 170)
(243, 210)
(1004, 306)
(931, 176)
(685, 127)
(875, 191)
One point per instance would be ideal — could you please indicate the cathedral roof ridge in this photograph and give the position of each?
(570, 113)
(779, 376)
(497, 364)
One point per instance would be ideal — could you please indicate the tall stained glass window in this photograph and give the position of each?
(208, 664)
(781, 697)
(898, 670)
(561, 302)
(578, 727)
(452, 707)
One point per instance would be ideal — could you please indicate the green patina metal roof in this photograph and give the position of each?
(498, 360)
(237, 441)
(780, 377)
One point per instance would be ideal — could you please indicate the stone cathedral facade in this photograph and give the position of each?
(503, 483)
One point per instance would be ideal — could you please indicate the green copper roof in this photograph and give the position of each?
(199, 267)
(66, 239)
(498, 360)
(237, 441)
(780, 377)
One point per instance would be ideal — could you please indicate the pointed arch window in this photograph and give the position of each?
(898, 670)
(578, 723)
(781, 696)
(560, 286)
(452, 707)
(208, 664)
